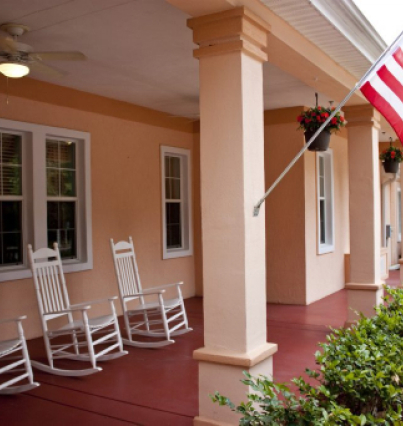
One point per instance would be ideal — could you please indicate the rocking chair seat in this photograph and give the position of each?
(171, 303)
(94, 323)
(8, 346)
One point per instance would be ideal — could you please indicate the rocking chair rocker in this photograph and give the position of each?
(10, 347)
(143, 318)
(87, 333)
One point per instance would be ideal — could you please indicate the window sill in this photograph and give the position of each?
(325, 249)
(22, 271)
(177, 253)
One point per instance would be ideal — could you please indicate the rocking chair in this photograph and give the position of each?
(143, 318)
(87, 333)
(10, 347)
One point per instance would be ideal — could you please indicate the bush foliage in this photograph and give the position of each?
(359, 380)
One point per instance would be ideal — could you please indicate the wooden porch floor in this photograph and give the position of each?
(160, 387)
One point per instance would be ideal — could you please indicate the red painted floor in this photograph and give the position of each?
(160, 387)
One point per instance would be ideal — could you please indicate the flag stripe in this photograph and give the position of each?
(390, 97)
(391, 81)
(383, 87)
(398, 55)
(384, 107)
(395, 69)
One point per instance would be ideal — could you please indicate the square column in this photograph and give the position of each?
(231, 60)
(365, 286)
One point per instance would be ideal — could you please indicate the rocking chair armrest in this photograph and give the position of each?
(166, 286)
(70, 310)
(94, 302)
(142, 294)
(17, 319)
(150, 291)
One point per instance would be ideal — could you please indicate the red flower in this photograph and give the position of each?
(307, 120)
(342, 119)
(300, 118)
(393, 154)
(334, 120)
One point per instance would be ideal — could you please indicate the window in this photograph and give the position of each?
(176, 214)
(324, 169)
(62, 196)
(11, 199)
(44, 196)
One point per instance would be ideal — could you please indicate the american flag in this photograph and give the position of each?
(384, 88)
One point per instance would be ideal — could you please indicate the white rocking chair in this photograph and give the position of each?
(16, 363)
(87, 333)
(143, 318)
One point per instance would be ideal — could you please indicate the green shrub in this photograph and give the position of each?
(359, 379)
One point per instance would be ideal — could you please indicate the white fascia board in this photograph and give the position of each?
(347, 18)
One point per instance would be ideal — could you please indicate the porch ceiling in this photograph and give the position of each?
(139, 51)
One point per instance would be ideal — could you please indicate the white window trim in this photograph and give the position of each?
(327, 247)
(38, 235)
(182, 252)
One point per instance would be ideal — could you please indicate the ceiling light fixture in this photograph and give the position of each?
(13, 69)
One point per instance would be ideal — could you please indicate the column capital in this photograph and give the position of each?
(234, 30)
(362, 116)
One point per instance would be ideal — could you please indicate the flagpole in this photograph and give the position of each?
(256, 208)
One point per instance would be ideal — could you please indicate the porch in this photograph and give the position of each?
(160, 387)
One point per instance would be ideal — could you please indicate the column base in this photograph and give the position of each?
(362, 298)
(223, 371)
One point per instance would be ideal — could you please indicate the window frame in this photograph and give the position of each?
(76, 199)
(329, 245)
(185, 200)
(24, 198)
(34, 186)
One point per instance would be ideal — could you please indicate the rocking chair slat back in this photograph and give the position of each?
(49, 280)
(126, 268)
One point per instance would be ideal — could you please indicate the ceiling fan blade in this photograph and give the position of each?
(7, 44)
(58, 56)
(46, 69)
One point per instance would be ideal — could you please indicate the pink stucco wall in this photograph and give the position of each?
(296, 273)
(325, 272)
(285, 217)
(126, 200)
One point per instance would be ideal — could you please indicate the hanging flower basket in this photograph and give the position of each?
(312, 119)
(391, 159)
(391, 166)
(321, 143)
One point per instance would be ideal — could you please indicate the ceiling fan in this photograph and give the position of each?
(17, 59)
